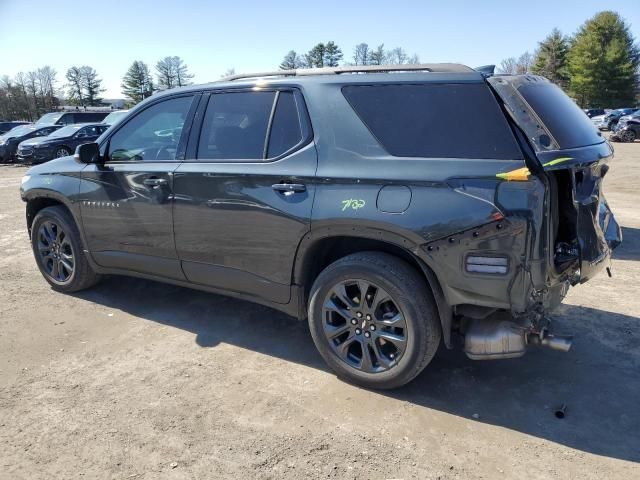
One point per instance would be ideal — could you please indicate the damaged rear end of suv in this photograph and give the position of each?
(555, 205)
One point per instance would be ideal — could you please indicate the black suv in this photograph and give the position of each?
(61, 143)
(391, 209)
(69, 118)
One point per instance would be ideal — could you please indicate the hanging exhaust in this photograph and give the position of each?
(490, 339)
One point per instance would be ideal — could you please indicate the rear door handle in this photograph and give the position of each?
(289, 188)
(154, 182)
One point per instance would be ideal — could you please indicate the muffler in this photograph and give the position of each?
(491, 339)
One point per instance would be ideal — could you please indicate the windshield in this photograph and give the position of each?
(49, 118)
(66, 131)
(18, 131)
(115, 117)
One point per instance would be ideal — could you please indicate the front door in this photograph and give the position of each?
(245, 191)
(127, 202)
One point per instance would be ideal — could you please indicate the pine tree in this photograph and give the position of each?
(183, 77)
(75, 91)
(291, 61)
(332, 55)
(92, 85)
(551, 58)
(316, 56)
(137, 83)
(603, 63)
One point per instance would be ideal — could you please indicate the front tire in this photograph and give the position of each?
(374, 320)
(59, 253)
(62, 152)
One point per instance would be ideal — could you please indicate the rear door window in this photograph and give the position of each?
(286, 128)
(435, 120)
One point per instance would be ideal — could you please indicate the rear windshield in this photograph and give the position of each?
(435, 120)
(563, 118)
(49, 118)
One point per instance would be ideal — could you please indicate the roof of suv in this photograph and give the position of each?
(351, 74)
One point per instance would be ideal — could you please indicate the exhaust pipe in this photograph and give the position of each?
(561, 343)
(495, 339)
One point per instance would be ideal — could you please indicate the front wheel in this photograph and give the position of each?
(373, 319)
(628, 136)
(62, 152)
(58, 250)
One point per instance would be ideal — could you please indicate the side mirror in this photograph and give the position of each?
(88, 153)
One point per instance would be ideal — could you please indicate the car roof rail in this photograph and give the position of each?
(304, 72)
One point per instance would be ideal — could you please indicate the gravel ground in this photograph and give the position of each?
(136, 379)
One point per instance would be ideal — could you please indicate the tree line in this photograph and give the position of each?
(598, 66)
(27, 96)
(330, 55)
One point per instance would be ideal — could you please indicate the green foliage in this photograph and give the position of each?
(603, 63)
(332, 55)
(137, 83)
(551, 58)
(292, 61)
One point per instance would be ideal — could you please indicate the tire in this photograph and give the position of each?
(62, 152)
(55, 240)
(390, 363)
(628, 136)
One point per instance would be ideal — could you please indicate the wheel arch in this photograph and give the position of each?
(38, 200)
(316, 252)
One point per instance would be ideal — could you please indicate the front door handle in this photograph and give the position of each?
(155, 182)
(289, 188)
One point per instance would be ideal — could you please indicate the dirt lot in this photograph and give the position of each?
(135, 379)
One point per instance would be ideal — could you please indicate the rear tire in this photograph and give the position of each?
(59, 252)
(374, 320)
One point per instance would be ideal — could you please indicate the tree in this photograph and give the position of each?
(75, 90)
(291, 61)
(172, 72)
(332, 55)
(137, 83)
(551, 58)
(316, 56)
(92, 85)
(398, 56)
(362, 54)
(603, 63)
(228, 73)
(508, 66)
(519, 66)
(378, 56)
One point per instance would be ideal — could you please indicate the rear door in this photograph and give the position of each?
(575, 157)
(244, 194)
(127, 202)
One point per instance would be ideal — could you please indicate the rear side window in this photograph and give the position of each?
(286, 131)
(435, 120)
(563, 118)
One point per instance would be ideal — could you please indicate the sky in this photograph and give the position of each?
(249, 36)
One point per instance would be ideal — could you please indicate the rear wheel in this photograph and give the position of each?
(374, 320)
(58, 250)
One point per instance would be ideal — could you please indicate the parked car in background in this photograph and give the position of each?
(592, 112)
(61, 143)
(115, 117)
(610, 120)
(6, 126)
(70, 118)
(627, 129)
(9, 141)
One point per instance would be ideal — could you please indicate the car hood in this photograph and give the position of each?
(598, 118)
(41, 141)
(57, 166)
